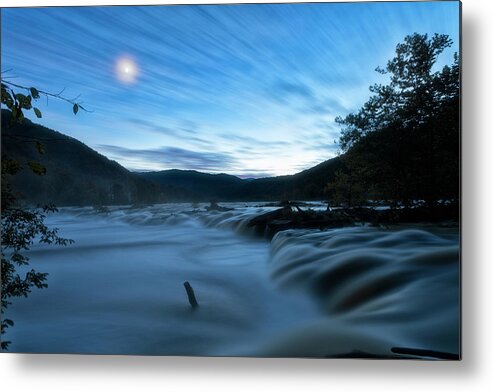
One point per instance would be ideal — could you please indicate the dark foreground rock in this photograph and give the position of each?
(216, 207)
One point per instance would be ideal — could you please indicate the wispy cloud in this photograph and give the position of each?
(256, 80)
(252, 142)
(165, 130)
(285, 88)
(305, 99)
(172, 158)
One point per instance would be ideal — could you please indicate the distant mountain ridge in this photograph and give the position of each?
(75, 173)
(78, 175)
(306, 185)
(199, 186)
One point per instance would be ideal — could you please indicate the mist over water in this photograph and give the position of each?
(119, 288)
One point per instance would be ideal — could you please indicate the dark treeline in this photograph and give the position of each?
(306, 185)
(74, 174)
(402, 146)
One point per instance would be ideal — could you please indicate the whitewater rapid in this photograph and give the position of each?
(341, 292)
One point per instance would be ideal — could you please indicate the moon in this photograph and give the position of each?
(127, 70)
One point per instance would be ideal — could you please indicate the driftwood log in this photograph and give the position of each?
(191, 295)
(292, 216)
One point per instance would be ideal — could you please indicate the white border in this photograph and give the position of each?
(117, 373)
(39, 3)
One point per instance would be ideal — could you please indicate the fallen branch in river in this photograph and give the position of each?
(191, 295)
(293, 217)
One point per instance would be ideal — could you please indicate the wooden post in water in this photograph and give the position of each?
(191, 295)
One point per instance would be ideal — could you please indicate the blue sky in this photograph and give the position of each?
(249, 90)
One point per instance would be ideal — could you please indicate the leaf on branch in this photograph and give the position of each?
(7, 98)
(16, 116)
(37, 112)
(37, 168)
(34, 93)
(20, 97)
(381, 70)
(75, 108)
(5, 345)
(24, 101)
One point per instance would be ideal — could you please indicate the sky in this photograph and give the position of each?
(249, 90)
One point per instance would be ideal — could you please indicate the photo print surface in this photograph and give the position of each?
(260, 180)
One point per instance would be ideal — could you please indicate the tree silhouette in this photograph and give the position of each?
(403, 144)
(21, 226)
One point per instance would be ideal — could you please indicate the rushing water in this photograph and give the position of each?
(119, 288)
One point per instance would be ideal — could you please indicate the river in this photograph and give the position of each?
(118, 289)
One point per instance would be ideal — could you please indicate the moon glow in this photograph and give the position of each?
(126, 70)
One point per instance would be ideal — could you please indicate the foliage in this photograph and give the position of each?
(17, 102)
(403, 144)
(21, 227)
(346, 189)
